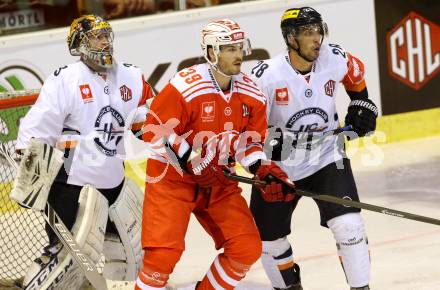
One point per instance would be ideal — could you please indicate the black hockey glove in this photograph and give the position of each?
(361, 115)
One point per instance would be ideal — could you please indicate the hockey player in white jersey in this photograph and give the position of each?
(83, 109)
(301, 86)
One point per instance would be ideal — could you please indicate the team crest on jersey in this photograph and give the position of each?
(126, 94)
(109, 134)
(305, 120)
(86, 93)
(282, 96)
(208, 111)
(329, 88)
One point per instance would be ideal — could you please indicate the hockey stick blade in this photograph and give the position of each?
(345, 202)
(66, 238)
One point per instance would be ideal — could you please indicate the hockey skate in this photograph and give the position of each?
(360, 288)
(297, 285)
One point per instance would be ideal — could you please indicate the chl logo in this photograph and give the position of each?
(330, 87)
(126, 93)
(414, 51)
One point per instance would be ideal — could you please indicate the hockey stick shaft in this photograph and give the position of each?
(345, 202)
(305, 140)
(76, 252)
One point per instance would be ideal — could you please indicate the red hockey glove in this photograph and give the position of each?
(278, 187)
(207, 172)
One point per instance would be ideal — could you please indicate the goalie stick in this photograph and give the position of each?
(66, 238)
(345, 202)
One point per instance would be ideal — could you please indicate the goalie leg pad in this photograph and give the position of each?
(126, 214)
(88, 231)
(35, 174)
(277, 260)
(115, 267)
(89, 228)
(352, 243)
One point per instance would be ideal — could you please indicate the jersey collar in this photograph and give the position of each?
(287, 58)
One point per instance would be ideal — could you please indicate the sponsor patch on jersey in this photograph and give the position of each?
(282, 96)
(228, 111)
(329, 88)
(308, 93)
(126, 94)
(86, 93)
(208, 111)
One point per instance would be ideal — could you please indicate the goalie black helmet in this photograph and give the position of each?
(91, 37)
(295, 18)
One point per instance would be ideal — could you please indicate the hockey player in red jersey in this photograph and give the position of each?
(215, 109)
(301, 86)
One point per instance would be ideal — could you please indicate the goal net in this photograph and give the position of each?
(22, 234)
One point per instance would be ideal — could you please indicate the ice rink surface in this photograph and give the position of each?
(405, 254)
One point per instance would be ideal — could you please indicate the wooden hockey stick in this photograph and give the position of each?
(88, 267)
(343, 201)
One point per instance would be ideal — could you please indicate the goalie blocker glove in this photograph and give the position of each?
(362, 115)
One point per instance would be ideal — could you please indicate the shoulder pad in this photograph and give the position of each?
(130, 69)
(59, 70)
(247, 86)
(259, 69)
(192, 79)
(129, 65)
(336, 50)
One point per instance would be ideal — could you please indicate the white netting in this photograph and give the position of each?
(22, 233)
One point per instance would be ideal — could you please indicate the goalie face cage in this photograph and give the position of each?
(22, 234)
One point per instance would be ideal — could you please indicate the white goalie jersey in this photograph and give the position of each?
(304, 105)
(86, 115)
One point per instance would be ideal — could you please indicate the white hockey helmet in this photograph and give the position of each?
(222, 32)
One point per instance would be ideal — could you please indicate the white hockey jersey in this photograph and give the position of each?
(305, 104)
(86, 115)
